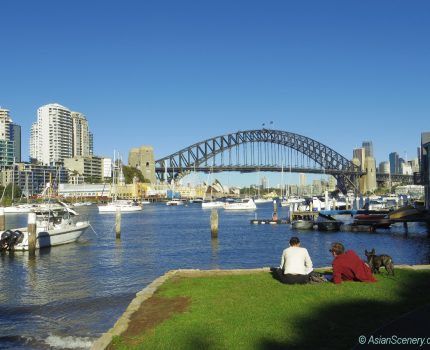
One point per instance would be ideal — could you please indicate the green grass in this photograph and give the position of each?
(256, 311)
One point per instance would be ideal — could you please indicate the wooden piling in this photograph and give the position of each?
(31, 229)
(214, 223)
(118, 223)
(2, 220)
(405, 225)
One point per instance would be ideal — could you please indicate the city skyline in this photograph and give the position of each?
(173, 75)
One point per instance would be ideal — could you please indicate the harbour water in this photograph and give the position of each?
(66, 296)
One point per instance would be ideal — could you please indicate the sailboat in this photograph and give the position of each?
(124, 205)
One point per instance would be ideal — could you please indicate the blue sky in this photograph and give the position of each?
(172, 73)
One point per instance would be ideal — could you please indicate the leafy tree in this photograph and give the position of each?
(131, 172)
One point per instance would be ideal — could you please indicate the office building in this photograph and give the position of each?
(51, 136)
(142, 158)
(394, 163)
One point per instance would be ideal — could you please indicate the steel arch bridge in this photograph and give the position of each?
(261, 150)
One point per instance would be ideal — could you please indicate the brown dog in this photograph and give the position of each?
(376, 261)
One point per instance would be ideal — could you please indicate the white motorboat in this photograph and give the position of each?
(175, 202)
(53, 227)
(125, 206)
(244, 204)
(212, 204)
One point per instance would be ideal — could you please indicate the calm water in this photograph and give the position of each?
(68, 295)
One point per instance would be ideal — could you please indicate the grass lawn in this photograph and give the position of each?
(255, 311)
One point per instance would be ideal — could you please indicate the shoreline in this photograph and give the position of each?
(123, 321)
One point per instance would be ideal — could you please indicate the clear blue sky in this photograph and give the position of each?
(172, 73)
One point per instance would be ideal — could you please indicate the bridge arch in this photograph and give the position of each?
(197, 156)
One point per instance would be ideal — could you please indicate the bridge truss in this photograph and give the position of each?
(261, 150)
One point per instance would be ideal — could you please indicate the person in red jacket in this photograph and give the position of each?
(347, 266)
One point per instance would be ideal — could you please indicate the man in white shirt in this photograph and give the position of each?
(296, 264)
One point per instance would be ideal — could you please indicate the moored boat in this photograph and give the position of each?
(244, 204)
(375, 220)
(175, 202)
(123, 205)
(53, 227)
(329, 225)
(302, 225)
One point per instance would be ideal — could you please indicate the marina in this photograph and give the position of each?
(40, 305)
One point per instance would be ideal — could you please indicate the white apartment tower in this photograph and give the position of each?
(5, 123)
(81, 136)
(52, 134)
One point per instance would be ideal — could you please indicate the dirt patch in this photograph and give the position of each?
(151, 313)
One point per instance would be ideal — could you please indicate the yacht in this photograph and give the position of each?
(121, 204)
(175, 202)
(244, 204)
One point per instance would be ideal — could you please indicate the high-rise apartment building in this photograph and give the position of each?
(51, 136)
(81, 135)
(6, 139)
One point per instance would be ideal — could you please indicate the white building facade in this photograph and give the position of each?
(51, 136)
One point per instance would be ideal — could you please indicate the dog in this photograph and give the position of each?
(376, 261)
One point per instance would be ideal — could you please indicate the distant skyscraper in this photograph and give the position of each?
(81, 135)
(394, 163)
(52, 134)
(302, 180)
(368, 146)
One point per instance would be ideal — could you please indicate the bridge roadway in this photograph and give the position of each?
(404, 179)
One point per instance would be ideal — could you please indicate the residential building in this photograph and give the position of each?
(81, 135)
(6, 142)
(90, 168)
(51, 136)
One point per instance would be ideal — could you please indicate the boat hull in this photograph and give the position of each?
(328, 225)
(124, 209)
(53, 237)
(210, 205)
(302, 225)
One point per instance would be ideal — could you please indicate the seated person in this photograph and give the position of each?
(347, 266)
(296, 264)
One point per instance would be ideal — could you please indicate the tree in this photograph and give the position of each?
(131, 172)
